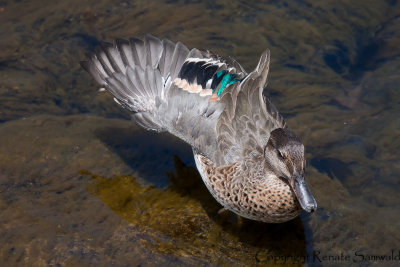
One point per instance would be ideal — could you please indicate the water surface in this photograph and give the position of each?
(81, 185)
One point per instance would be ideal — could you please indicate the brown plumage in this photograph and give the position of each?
(251, 162)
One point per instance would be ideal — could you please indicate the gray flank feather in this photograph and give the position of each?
(138, 52)
(249, 117)
(166, 57)
(154, 81)
(128, 89)
(195, 53)
(145, 120)
(140, 75)
(105, 63)
(99, 67)
(125, 51)
(263, 68)
(113, 57)
(91, 68)
(134, 80)
(180, 54)
(192, 118)
(236, 65)
(154, 50)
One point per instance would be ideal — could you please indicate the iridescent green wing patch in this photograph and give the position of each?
(227, 80)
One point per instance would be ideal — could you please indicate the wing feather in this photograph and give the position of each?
(249, 117)
(140, 75)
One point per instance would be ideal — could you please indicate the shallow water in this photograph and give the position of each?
(81, 185)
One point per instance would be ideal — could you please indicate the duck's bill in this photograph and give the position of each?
(304, 196)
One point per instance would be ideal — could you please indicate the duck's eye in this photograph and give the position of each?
(280, 155)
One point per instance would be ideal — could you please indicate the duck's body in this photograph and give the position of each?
(247, 191)
(248, 158)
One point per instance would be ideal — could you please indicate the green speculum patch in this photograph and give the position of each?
(227, 80)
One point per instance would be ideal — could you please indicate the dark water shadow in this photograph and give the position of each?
(283, 238)
(148, 153)
(154, 156)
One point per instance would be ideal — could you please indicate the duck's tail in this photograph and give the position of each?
(138, 74)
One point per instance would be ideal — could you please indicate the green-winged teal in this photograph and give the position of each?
(251, 162)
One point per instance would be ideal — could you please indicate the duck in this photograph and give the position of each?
(252, 163)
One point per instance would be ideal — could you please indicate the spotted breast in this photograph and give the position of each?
(250, 160)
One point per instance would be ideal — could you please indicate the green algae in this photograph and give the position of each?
(187, 215)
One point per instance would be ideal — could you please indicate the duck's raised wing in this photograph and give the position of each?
(166, 86)
(245, 125)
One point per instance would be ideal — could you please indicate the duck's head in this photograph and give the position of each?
(284, 155)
